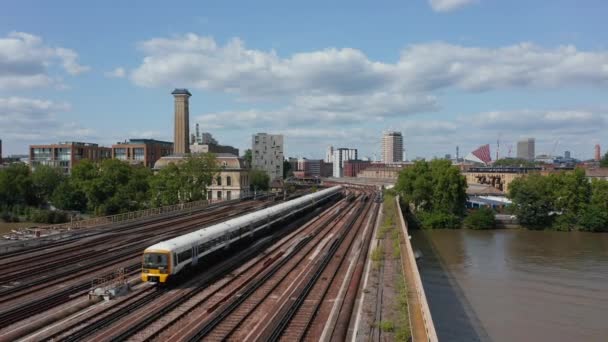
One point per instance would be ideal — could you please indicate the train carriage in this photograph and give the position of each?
(167, 259)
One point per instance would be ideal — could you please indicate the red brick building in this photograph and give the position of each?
(142, 151)
(353, 167)
(65, 155)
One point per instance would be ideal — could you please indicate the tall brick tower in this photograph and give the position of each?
(181, 143)
(598, 153)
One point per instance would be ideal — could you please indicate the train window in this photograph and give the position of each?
(155, 260)
(174, 259)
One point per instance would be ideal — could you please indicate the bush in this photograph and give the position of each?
(482, 218)
(8, 217)
(438, 219)
(49, 216)
(594, 218)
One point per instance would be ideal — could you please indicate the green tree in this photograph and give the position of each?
(533, 199)
(68, 197)
(184, 182)
(16, 186)
(248, 157)
(594, 218)
(259, 180)
(604, 161)
(482, 218)
(287, 169)
(45, 180)
(436, 192)
(571, 194)
(515, 162)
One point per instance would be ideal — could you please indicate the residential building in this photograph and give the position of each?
(142, 151)
(392, 147)
(340, 156)
(525, 149)
(267, 154)
(65, 155)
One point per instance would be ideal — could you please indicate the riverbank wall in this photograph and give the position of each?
(421, 321)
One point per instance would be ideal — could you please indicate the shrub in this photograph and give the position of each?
(482, 218)
(49, 216)
(438, 219)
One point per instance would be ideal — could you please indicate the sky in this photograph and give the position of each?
(445, 73)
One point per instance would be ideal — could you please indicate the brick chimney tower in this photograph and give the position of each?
(598, 154)
(181, 143)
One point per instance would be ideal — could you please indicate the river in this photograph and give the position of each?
(515, 285)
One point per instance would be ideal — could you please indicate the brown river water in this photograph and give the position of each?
(515, 285)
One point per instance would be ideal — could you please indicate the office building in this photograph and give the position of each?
(340, 156)
(267, 154)
(567, 154)
(182, 121)
(65, 155)
(525, 149)
(598, 153)
(307, 168)
(392, 147)
(142, 151)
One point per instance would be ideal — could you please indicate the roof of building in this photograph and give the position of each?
(181, 91)
(226, 160)
(601, 172)
(144, 141)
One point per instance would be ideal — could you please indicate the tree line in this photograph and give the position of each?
(105, 188)
(563, 201)
(434, 192)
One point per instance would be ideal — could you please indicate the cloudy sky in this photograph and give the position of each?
(444, 72)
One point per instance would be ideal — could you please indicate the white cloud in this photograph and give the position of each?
(199, 62)
(25, 121)
(334, 88)
(575, 129)
(448, 5)
(116, 73)
(25, 61)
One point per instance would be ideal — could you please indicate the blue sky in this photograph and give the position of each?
(445, 72)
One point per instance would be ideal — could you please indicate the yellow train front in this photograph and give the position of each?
(156, 266)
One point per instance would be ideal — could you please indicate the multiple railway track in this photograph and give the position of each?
(299, 282)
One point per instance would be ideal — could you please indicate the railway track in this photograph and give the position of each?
(23, 300)
(239, 316)
(296, 284)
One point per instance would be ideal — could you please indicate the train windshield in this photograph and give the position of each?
(155, 260)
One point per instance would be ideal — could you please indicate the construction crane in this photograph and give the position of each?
(509, 153)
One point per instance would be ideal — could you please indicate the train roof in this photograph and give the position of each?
(220, 228)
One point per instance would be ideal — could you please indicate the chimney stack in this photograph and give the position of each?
(182, 121)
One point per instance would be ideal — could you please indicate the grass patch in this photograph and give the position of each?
(402, 328)
(386, 326)
(377, 256)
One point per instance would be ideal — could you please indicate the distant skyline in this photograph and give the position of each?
(443, 72)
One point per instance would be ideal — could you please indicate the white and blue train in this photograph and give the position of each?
(167, 259)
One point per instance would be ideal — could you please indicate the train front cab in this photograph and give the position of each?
(156, 266)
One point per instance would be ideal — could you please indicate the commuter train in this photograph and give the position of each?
(167, 259)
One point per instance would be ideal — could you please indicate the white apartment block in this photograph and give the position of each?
(267, 154)
(329, 155)
(340, 156)
(392, 147)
